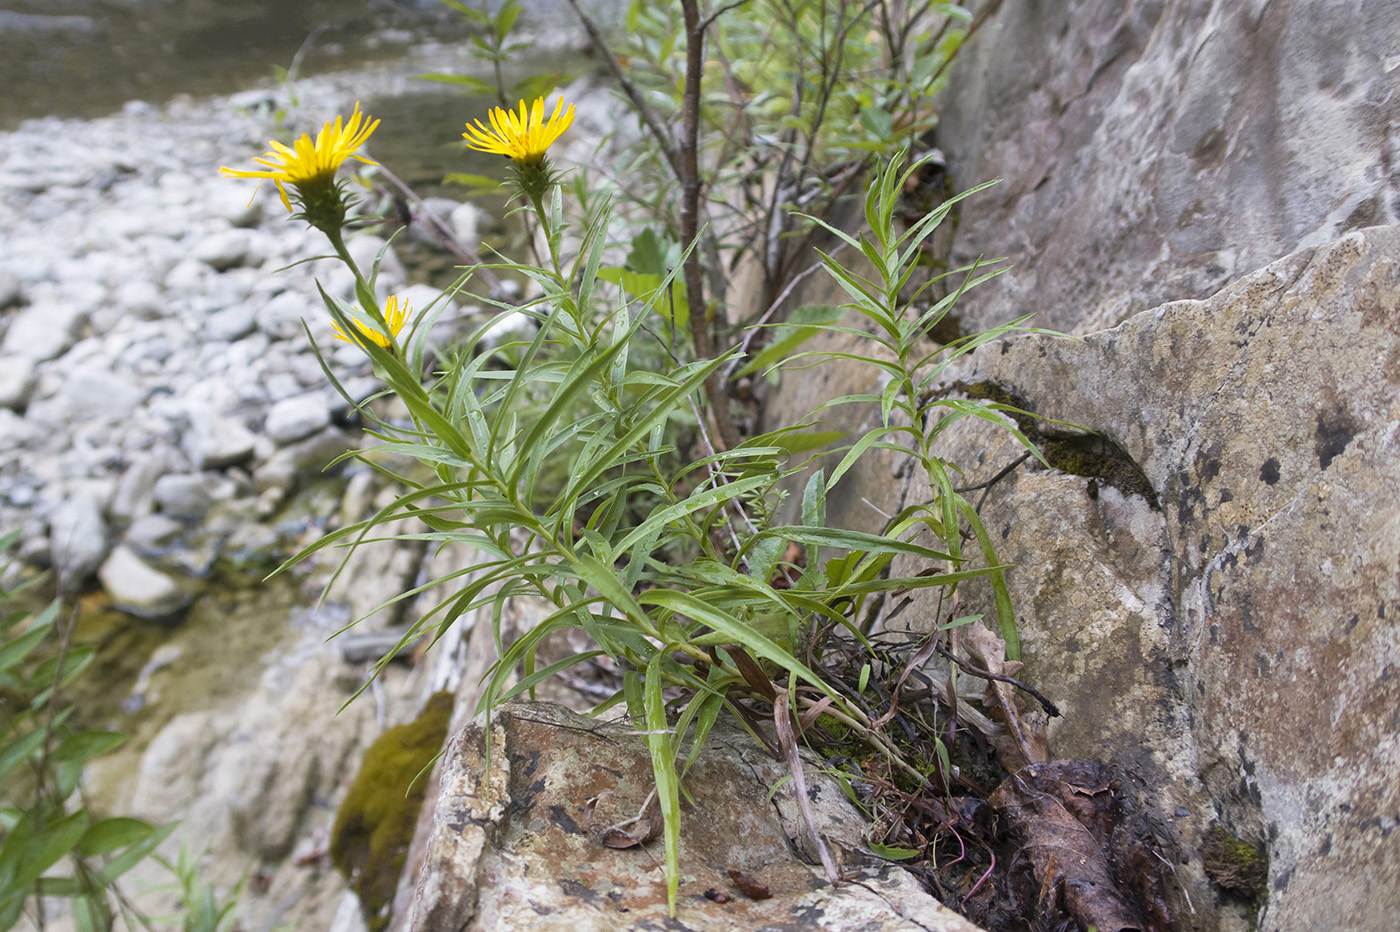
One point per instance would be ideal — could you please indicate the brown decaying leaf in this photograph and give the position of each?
(750, 887)
(648, 825)
(1062, 812)
(787, 738)
(1027, 732)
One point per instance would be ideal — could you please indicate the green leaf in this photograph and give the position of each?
(19, 750)
(1006, 615)
(852, 540)
(133, 855)
(109, 835)
(88, 744)
(734, 630)
(959, 622)
(464, 80)
(892, 853)
(803, 324)
(795, 442)
(663, 767)
(15, 651)
(648, 255)
(26, 855)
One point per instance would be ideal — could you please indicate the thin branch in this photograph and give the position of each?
(667, 144)
(710, 20)
(977, 22)
(441, 230)
(689, 165)
(1050, 708)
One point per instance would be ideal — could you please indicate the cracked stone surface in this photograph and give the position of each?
(1152, 150)
(513, 845)
(1236, 653)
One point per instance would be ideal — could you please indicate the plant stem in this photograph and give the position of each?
(690, 220)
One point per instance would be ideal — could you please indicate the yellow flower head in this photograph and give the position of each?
(394, 317)
(522, 137)
(310, 167)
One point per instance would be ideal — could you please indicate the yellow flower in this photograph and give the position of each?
(522, 137)
(394, 317)
(310, 167)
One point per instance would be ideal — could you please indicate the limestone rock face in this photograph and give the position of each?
(1151, 151)
(514, 842)
(1234, 645)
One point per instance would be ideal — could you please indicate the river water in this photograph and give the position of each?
(84, 58)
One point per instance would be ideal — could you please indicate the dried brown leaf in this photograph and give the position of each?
(1026, 733)
(1070, 863)
(750, 887)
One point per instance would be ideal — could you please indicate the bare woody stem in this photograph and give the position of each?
(690, 219)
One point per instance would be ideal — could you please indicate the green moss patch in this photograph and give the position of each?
(1235, 865)
(374, 825)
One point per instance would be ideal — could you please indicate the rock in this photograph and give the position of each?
(281, 317)
(78, 540)
(467, 221)
(43, 331)
(222, 442)
(1147, 152)
(11, 289)
(306, 457)
(135, 492)
(347, 916)
(36, 25)
(421, 229)
(16, 379)
(507, 327)
(513, 846)
(297, 417)
(152, 534)
(15, 431)
(229, 198)
(140, 299)
(139, 589)
(191, 495)
(1224, 633)
(229, 249)
(91, 395)
(230, 324)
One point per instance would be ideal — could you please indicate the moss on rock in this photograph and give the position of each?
(374, 825)
(1235, 865)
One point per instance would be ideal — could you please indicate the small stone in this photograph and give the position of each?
(297, 417)
(44, 331)
(90, 395)
(191, 495)
(422, 229)
(223, 442)
(135, 493)
(229, 199)
(11, 290)
(228, 249)
(281, 317)
(152, 534)
(77, 540)
(508, 327)
(15, 431)
(140, 299)
(16, 380)
(137, 588)
(230, 324)
(467, 222)
(309, 456)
